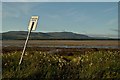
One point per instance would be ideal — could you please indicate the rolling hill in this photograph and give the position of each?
(21, 35)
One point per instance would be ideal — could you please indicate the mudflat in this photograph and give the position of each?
(61, 42)
(33, 45)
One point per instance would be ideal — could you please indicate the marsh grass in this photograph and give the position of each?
(38, 65)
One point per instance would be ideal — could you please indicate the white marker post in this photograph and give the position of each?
(32, 26)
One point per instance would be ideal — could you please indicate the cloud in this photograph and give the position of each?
(110, 9)
(76, 15)
(16, 10)
(116, 30)
(71, 12)
(112, 22)
(104, 35)
(54, 16)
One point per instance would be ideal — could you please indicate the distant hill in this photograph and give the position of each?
(21, 35)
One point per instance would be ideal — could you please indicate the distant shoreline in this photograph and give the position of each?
(61, 39)
(64, 45)
(37, 43)
(21, 35)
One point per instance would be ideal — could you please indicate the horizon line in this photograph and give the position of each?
(94, 35)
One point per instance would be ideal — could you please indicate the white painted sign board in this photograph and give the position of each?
(32, 26)
(33, 23)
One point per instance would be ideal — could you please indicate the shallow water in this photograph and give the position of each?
(64, 46)
(113, 47)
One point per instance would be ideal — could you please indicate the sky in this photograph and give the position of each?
(59, 0)
(91, 18)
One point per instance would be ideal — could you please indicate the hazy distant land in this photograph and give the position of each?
(21, 35)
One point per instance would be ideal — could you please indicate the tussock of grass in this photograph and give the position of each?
(45, 66)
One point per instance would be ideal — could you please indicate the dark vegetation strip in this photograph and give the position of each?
(62, 39)
(46, 49)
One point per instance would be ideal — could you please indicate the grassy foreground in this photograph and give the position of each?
(38, 65)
